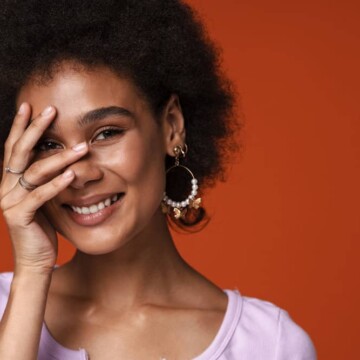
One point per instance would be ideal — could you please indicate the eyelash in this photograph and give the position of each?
(117, 131)
(52, 145)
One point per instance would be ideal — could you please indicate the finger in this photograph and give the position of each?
(18, 127)
(44, 170)
(21, 150)
(37, 198)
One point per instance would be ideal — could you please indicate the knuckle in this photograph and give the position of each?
(66, 156)
(12, 219)
(3, 206)
(8, 216)
(37, 195)
(17, 148)
(36, 169)
(8, 144)
(56, 182)
(36, 124)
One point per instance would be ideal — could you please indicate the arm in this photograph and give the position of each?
(24, 315)
(34, 240)
(293, 343)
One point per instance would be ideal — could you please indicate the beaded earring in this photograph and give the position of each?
(179, 208)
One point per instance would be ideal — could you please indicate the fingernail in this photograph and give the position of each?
(21, 109)
(68, 174)
(47, 111)
(79, 147)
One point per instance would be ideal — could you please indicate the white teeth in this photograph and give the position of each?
(92, 209)
(85, 210)
(101, 205)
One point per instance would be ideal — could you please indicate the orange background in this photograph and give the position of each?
(285, 226)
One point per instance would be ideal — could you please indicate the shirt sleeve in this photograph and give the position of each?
(5, 283)
(293, 342)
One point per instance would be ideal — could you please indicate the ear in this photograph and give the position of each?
(173, 125)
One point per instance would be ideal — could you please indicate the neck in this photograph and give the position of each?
(148, 268)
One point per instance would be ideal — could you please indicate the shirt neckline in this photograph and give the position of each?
(212, 352)
(227, 327)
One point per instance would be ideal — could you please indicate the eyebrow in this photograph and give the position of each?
(97, 115)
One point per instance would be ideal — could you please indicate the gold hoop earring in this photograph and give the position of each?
(179, 208)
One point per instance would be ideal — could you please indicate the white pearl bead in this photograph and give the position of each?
(195, 187)
(183, 204)
(194, 192)
(194, 181)
(169, 201)
(187, 201)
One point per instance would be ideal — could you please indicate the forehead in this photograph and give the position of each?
(73, 89)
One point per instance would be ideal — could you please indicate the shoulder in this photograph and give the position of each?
(263, 328)
(293, 341)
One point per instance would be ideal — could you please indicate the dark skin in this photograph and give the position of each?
(127, 289)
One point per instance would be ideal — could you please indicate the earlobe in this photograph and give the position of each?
(174, 124)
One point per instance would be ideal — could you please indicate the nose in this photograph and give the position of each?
(86, 172)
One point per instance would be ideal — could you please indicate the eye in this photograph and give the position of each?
(47, 145)
(108, 133)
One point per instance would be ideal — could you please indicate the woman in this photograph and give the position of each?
(118, 105)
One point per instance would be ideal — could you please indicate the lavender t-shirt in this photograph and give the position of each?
(252, 329)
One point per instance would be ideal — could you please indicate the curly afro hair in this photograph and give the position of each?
(160, 44)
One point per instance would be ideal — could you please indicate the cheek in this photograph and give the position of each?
(140, 165)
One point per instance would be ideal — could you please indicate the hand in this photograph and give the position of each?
(33, 237)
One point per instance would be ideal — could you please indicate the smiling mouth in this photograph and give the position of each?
(94, 208)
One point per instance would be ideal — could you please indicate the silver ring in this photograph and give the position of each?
(12, 171)
(26, 185)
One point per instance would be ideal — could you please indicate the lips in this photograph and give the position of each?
(93, 210)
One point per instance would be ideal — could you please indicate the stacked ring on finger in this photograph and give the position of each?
(25, 184)
(9, 170)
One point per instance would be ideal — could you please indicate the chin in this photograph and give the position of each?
(102, 240)
(97, 241)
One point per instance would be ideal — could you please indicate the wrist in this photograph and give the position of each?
(36, 272)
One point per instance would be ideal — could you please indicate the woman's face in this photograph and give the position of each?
(119, 184)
